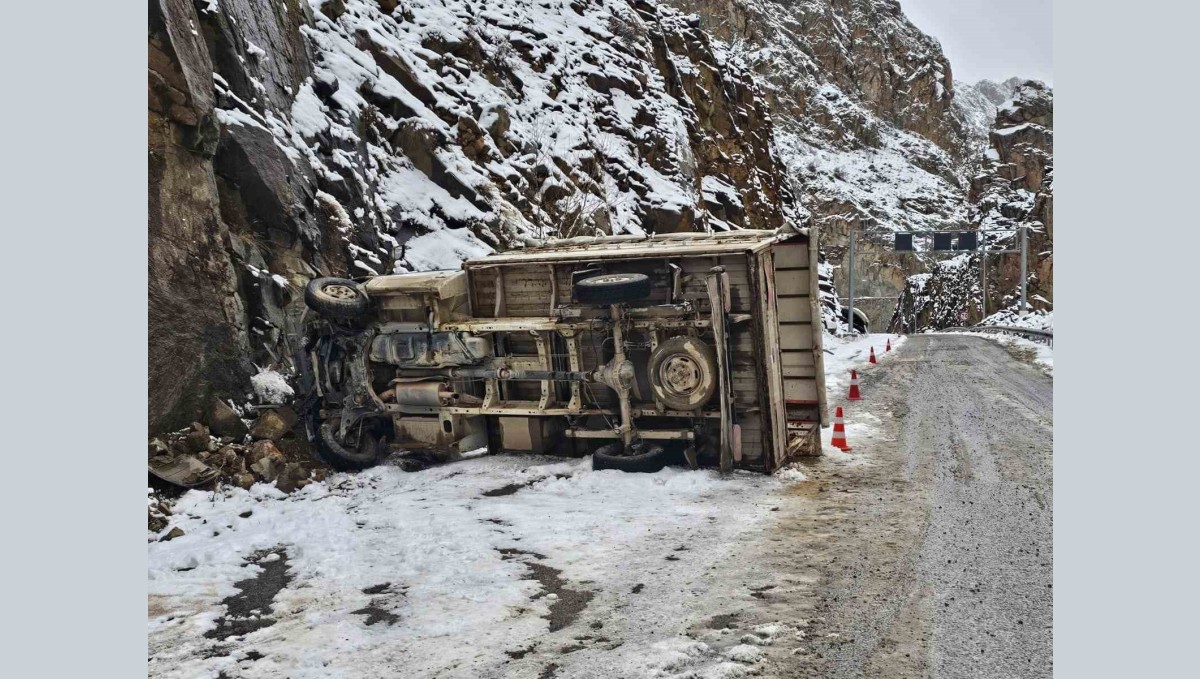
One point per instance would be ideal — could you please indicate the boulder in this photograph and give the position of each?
(198, 439)
(157, 447)
(154, 522)
(471, 138)
(229, 460)
(244, 480)
(273, 424)
(325, 84)
(175, 532)
(260, 450)
(291, 477)
(268, 468)
(223, 421)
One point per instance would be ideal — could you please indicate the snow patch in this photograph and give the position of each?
(790, 474)
(271, 387)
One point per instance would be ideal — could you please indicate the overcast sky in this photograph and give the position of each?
(993, 39)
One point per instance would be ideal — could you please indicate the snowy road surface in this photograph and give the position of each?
(926, 551)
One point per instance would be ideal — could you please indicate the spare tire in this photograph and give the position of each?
(650, 459)
(613, 288)
(336, 298)
(368, 453)
(683, 373)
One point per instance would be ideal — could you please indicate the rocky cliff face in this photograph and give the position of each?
(1013, 188)
(976, 105)
(289, 139)
(864, 105)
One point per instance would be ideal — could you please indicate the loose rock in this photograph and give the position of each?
(157, 447)
(267, 468)
(291, 477)
(262, 449)
(223, 421)
(273, 424)
(198, 439)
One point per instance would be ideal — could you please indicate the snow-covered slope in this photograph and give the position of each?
(1013, 188)
(864, 109)
(976, 105)
(353, 137)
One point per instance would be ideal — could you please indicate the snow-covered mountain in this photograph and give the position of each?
(294, 138)
(864, 108)
(976, 105)
(1014, 187)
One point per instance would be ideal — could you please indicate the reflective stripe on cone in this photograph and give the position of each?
(839, 432)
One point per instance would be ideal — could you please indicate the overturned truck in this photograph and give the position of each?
(702, 349)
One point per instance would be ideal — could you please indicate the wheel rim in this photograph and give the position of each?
(339, 291)
(681, 375)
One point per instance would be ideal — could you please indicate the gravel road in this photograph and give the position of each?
(932, 556)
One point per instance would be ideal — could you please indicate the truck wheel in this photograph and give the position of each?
(336, 298)
(652, 459)
(369, 452)
(613, 288)
(683, 373)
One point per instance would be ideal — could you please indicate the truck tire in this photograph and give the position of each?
(683, 373)
(370, 451)
(610, 456)
(613, 288)
(336, 298)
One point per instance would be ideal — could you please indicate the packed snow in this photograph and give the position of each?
(852, 352)
(451, 560)
(1034, 320)
(843, 354)
(1040, 351)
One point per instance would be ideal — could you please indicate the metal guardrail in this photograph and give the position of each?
(1030, 333)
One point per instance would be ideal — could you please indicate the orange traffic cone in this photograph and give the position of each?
(889, 345)
(872, 360)
(854, 393)
(839, 432)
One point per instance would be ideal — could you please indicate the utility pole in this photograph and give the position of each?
(1024, 256)
(983, 278)
(850, 278)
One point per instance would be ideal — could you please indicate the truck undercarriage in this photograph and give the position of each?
(639, 360)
